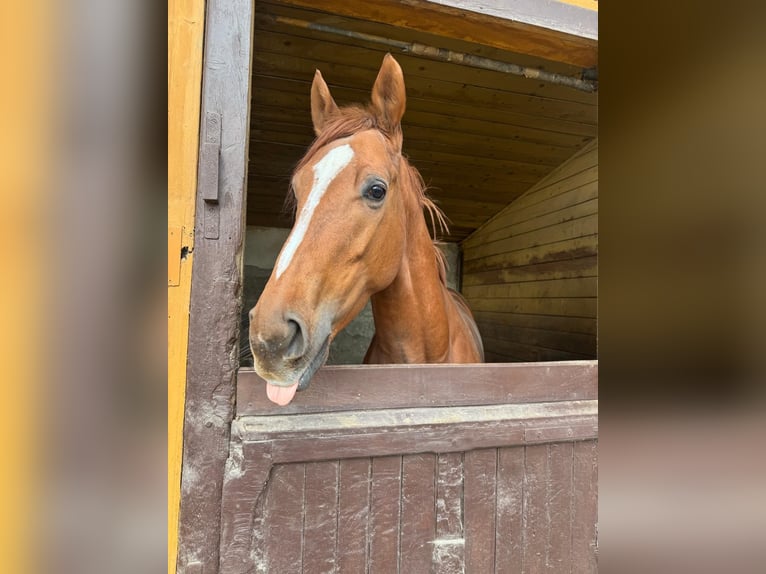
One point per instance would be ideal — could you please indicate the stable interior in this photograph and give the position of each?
(511, 161)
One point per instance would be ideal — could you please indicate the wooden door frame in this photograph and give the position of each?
(215, 306)
(216, 301)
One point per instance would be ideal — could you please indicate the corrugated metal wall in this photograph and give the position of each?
(530, 274)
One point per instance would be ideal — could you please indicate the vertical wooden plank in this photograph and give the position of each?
(384, 514)
(510, 492)
(560, 507)
(214, 309)
(321, 517)
(585, 506)
(353, 513)
(283, 519)
(536, 523)
(449, 545)
(418, 523)
(186, 23)
(480, 497)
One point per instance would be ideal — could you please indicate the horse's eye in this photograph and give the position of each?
(376, 192)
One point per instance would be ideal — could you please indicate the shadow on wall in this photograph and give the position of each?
(262, 246)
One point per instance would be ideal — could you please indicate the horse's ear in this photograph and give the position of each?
(388, 95)
(322, 104)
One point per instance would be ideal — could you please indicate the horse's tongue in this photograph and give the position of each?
(281, 395)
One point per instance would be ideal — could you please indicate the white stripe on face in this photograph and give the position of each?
(325, 171)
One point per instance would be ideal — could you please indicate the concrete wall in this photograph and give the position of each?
(262, 246)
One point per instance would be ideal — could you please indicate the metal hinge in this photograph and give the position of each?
(209, 155)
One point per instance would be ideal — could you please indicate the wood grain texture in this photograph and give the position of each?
(449, 545)
(284, 519)
(185, 31)
(320, 528)
(381, 386)
(385, 515)
(353, 514)
(531, 272)
(418, 508)
(510, 496)
(499, 30)
(487, 488)
(585, 506)
(480, 500)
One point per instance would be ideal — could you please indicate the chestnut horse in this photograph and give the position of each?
(360, 234)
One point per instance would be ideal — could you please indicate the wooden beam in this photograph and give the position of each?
(491, 22)
(186, 24)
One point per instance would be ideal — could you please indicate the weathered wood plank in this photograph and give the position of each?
(578, 267)
(275, 36)
(536, 518)
(302, 67)
(353, 514)
(320, 518)
(449, 545)
(247, 471)
(546, 288)
(574, 307)
(379, 386)
(385, 514)
(560, 493)
(418, 520)
(571, 229)
(283, 519)
(498, 32)
(564, 250)
(585, 508)
(509, 526)
(480, 499)
(445, 108)
(214, 310)
(562, 324)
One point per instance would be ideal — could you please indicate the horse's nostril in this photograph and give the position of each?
(251, 314)
(296, 341)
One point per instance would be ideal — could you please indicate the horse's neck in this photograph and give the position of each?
(411, 319)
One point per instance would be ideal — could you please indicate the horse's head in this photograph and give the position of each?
(348, 239)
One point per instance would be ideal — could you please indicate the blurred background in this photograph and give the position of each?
(681, 306)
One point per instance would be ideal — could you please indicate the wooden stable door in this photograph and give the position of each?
(416, 469)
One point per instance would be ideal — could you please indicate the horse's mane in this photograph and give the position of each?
(353, 119)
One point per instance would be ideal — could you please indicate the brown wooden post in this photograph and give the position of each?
(216, 281)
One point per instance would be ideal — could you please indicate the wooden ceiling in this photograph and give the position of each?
(479, 138)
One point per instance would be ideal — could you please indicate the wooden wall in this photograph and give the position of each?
(530, 274)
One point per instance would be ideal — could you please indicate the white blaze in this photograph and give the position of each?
(325, 171)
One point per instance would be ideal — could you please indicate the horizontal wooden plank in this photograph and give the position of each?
(580, 267)
(564, 207)
(582, 344)
(503, 33)
(567, 230)
(344, 387)
(342, 51)
(454, 436)
(530, 352)
(506, 118)
(586, 246)
(574, 307)
(302, 67)
(575, 287)
(584, 325)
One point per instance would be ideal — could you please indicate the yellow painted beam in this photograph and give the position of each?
(587, 4)
(185, 34)
(28, 33)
